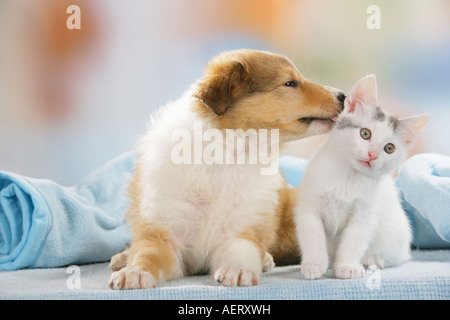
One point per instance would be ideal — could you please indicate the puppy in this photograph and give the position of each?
(194, 207)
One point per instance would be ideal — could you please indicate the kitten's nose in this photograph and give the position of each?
(373, 155)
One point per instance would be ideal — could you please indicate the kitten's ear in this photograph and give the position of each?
(363, 93)
(411, 127)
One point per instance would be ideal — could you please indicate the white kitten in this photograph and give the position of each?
(349, 212)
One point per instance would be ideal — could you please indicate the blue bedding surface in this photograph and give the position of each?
(426, 276)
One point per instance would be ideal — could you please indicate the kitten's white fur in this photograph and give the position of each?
(349, 214)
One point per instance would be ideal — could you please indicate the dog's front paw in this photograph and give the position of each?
(268, 263)
(131, 278)
(118, 261)
(231, 276)
(349, 271)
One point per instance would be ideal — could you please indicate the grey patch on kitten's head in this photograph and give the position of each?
(394, 123)
(345, 123)
(379, 115)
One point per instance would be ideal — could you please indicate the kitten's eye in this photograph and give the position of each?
(389, 148)
(365, 134)
(292, 83)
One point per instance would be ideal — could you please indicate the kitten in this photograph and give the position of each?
(349, 212)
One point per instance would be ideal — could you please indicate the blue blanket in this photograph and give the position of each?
(43, 224)
(424, 183)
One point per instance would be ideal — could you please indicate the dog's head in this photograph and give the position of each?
(261, 90)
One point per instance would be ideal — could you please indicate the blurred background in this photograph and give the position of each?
(71, 100)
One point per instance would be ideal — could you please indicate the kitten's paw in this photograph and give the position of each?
(313, 270)
(349, 271)
(373, 261)
(268, 263)
(231, 276)
(118, 261)
(131, 278)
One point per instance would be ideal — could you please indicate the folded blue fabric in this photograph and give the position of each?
(292, 169)
(424, 183)
(43, 224)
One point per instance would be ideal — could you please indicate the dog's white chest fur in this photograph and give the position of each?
(215, 210)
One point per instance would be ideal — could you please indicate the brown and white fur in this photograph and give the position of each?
(229, 220)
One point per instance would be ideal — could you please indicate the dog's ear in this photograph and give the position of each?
(222, 85)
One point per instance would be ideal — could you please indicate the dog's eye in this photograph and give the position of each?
(291, 83)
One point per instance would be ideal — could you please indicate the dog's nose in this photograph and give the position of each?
(341, 98)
